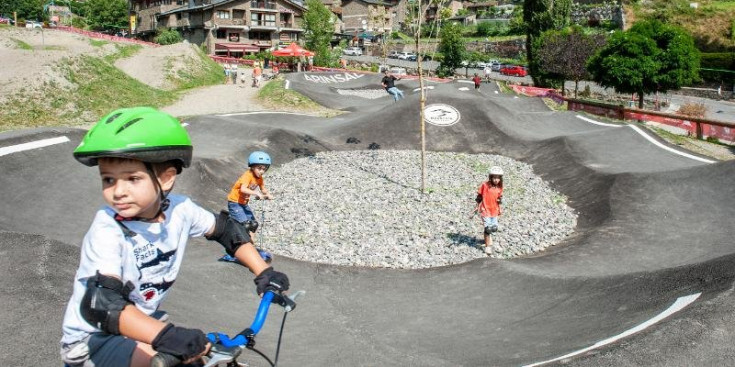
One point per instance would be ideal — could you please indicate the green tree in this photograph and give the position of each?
(318, 31)
(107, 14)
(168, 37)
(563, 55)
(25, 9)
(650, 57)
(452, 47)
(540, 16)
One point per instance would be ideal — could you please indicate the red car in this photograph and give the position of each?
(514, 70)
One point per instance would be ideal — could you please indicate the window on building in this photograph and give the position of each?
(267, 20)
(270, 20)
(255, 35)
(286, 20)
(223, 14)
(238, 14)
(221, 34)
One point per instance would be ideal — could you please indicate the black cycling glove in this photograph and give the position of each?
(270, 279)
(180, 342)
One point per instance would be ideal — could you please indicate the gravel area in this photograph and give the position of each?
(364, 93)
(365, 208)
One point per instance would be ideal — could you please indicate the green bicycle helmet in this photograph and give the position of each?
(141, 133)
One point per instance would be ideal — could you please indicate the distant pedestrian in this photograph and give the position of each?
(487, 71)
(257, 75)
(233, 73)
(477, 81)
(227, 73)
(388, 82)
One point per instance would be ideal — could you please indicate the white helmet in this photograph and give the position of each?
(496, 171)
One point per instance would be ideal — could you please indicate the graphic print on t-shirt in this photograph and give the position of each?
(152, 263)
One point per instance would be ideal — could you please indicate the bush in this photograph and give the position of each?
(485, 29)
(693, 110)
(718, 60)
(168, 37)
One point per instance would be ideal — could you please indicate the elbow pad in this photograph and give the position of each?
(229, 233)
(478, 199)
(104, 300)
(500, 199)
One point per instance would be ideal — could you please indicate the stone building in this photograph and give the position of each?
(226, 27)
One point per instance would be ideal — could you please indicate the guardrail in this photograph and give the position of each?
(104, 36)
(699, 127)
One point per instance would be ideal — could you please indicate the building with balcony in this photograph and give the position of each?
(368, 20)
(226, 27)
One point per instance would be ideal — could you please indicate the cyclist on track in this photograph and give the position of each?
(132, 252)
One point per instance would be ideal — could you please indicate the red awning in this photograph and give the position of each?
(236, 47)
(292, 50)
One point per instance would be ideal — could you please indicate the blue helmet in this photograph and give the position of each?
(259, 157)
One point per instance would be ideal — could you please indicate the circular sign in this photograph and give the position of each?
(441, 114)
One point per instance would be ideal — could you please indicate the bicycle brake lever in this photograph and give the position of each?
(218, 355)
(293, 297)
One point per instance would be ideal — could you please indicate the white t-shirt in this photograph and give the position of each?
(488, 70)
(150, 260)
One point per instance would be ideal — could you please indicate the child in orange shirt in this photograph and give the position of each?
(250, 183)
(489, 198)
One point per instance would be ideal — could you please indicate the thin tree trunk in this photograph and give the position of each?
(422, 103)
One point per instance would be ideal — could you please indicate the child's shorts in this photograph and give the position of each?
(240, 212)
(490, 221)
(99, 350)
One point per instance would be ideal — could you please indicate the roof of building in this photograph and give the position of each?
(376, 2)
(221, 2)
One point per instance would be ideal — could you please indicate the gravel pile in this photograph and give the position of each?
(364, 93)
(365, 208)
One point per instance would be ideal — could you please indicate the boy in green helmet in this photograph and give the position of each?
(134, 248)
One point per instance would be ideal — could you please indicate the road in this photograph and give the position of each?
(720, 110)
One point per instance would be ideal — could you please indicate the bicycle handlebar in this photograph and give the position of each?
(226, 349)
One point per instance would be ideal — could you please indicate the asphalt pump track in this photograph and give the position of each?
(646, 279)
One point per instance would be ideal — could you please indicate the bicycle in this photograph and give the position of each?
(226, 350)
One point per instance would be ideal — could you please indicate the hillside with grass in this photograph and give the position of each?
(711, 22)
(53, 78)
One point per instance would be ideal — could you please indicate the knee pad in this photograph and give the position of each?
(488, 230)
(104, 300)
(229, 233)
(251, 225)
(494, 228)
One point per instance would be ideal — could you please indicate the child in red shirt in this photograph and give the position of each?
(489, 198)
(477, 81)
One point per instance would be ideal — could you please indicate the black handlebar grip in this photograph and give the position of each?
(165, 360)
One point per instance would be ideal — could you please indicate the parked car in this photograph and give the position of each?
(514, 70)
(4, 20)
(405, 55)
(393, 55)
(497, 66)
(353, 51)
(423, 58)
(30, 24)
